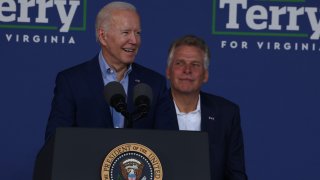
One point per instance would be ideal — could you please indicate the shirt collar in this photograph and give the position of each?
(106, 69)
(192, 112)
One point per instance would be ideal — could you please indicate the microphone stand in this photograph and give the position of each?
(129, 118)
(121, 107)
(128, 121)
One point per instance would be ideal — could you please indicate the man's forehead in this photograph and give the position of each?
(187, 53)
(122, 18)
(123, 13)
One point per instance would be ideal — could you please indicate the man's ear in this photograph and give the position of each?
(168, 73)
(102, 36)
(206, 76)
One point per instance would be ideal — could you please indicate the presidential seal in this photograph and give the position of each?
(131, 161)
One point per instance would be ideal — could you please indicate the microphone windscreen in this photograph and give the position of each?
(142, 89)
(113, 89)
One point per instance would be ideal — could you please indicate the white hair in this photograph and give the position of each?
(105, 14)
(190, 40)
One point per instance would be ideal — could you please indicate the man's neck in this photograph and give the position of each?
(119, 67)
(185, 102)
(120, 72)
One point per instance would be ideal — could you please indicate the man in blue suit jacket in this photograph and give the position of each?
(78, 96)
(186, 107)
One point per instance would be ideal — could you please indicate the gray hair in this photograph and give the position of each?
(190, 40)
(104, 16)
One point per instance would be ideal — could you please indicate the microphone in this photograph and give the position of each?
(116, 98)
(142, 98)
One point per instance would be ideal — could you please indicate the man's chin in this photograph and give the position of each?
(128, 61)
(186, 91)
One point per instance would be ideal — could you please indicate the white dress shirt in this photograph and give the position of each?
(190, 121)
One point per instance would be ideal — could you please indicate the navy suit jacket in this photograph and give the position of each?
(221, 119)
(79, 101)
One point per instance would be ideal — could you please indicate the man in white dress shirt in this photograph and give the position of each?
(186, 107)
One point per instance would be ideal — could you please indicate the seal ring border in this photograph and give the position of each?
(133, 147)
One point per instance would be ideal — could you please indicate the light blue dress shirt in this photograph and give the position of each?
(108, 75)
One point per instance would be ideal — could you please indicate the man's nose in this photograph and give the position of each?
(187, 68)
(134, 38)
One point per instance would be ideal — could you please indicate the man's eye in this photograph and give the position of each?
(179, 63)
(196, 64)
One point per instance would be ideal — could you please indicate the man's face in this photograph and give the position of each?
(120, 43)
(186, 71)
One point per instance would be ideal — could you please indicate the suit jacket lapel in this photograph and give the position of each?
(208, 111)
(96, 85)
(134, 79)
(172, 111)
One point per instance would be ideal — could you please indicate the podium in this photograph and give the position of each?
(96, 154)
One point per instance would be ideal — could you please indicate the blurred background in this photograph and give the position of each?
(273, 75)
